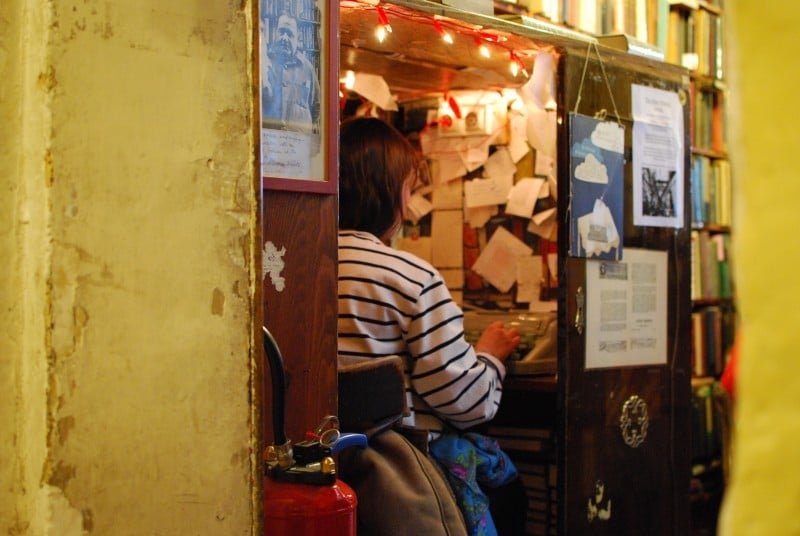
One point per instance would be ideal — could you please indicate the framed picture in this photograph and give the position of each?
(298, 74)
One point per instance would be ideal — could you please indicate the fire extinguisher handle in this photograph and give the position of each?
(349, 440)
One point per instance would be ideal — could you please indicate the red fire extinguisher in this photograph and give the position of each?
(301, 492)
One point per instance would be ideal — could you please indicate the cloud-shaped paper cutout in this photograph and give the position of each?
(609, 136)
(583, 148)
(592, 170)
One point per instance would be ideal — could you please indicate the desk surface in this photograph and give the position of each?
(545, 383)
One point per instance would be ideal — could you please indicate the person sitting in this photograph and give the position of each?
(393, 303)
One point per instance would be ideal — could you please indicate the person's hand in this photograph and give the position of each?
(498, 341)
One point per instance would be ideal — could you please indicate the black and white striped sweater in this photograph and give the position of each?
(394, 303)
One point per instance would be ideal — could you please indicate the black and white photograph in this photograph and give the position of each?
(290, 66)
(658, 198)
(293, 61)
(658, 150)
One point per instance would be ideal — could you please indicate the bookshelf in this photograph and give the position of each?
(643, 20)
(696, 37)
(696, 41)
(689, 33)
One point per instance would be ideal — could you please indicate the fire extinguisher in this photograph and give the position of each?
(301, 492)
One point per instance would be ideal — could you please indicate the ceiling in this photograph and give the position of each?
(414, 59)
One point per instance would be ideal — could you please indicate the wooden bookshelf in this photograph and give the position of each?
(696, 42)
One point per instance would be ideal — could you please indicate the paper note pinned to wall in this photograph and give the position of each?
(437, 147)
(540, 88)
(551, 181)
(544, 191)
(491, 191)
(499, 164)
(446, 169)
(474, 155)
(477, 217)
(418, 206)
(545, 164)
(544, 224)
(522, 197)
(542, 130)
(518, 140)
(375, 89)
(497, 262)
(529, 278)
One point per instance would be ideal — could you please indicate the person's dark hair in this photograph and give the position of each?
(375, 159)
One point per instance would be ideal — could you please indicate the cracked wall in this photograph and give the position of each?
(130, 228)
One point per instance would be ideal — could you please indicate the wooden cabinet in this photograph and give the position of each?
(648, 483)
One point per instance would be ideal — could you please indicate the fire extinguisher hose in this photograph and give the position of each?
(278, 375)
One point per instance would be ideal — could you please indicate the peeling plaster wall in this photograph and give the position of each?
(125, 384)
(24, 249)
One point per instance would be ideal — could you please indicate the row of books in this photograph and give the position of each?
(711, 192)
(644, 20)
(540, 481)
(526, 442)
(712, 336)
(533, 453)
(708, 422)
(696, 40)
(707, 127)
(711, 277)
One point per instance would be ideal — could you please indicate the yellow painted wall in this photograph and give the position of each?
(765, 492)
(127, 232)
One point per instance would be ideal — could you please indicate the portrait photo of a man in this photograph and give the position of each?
(290, 89)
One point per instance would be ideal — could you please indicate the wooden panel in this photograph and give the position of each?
(648, 485)
(302, 316)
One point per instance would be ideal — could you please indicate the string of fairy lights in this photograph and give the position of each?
(487, 42)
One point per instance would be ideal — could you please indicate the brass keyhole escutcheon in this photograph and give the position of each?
(633, 421)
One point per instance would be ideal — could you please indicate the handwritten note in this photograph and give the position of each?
(291, 155)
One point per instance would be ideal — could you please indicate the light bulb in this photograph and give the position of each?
(383, 25)
(516, 65)
(483, 50)
(446, 37)
(349, 79)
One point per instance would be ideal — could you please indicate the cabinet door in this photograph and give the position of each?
(624, 430)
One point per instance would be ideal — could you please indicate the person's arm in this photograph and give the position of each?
(498, 341)
(462, 386)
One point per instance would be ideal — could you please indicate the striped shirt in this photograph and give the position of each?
(394, 303)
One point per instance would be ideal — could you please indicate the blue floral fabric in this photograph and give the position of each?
(469, 462)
